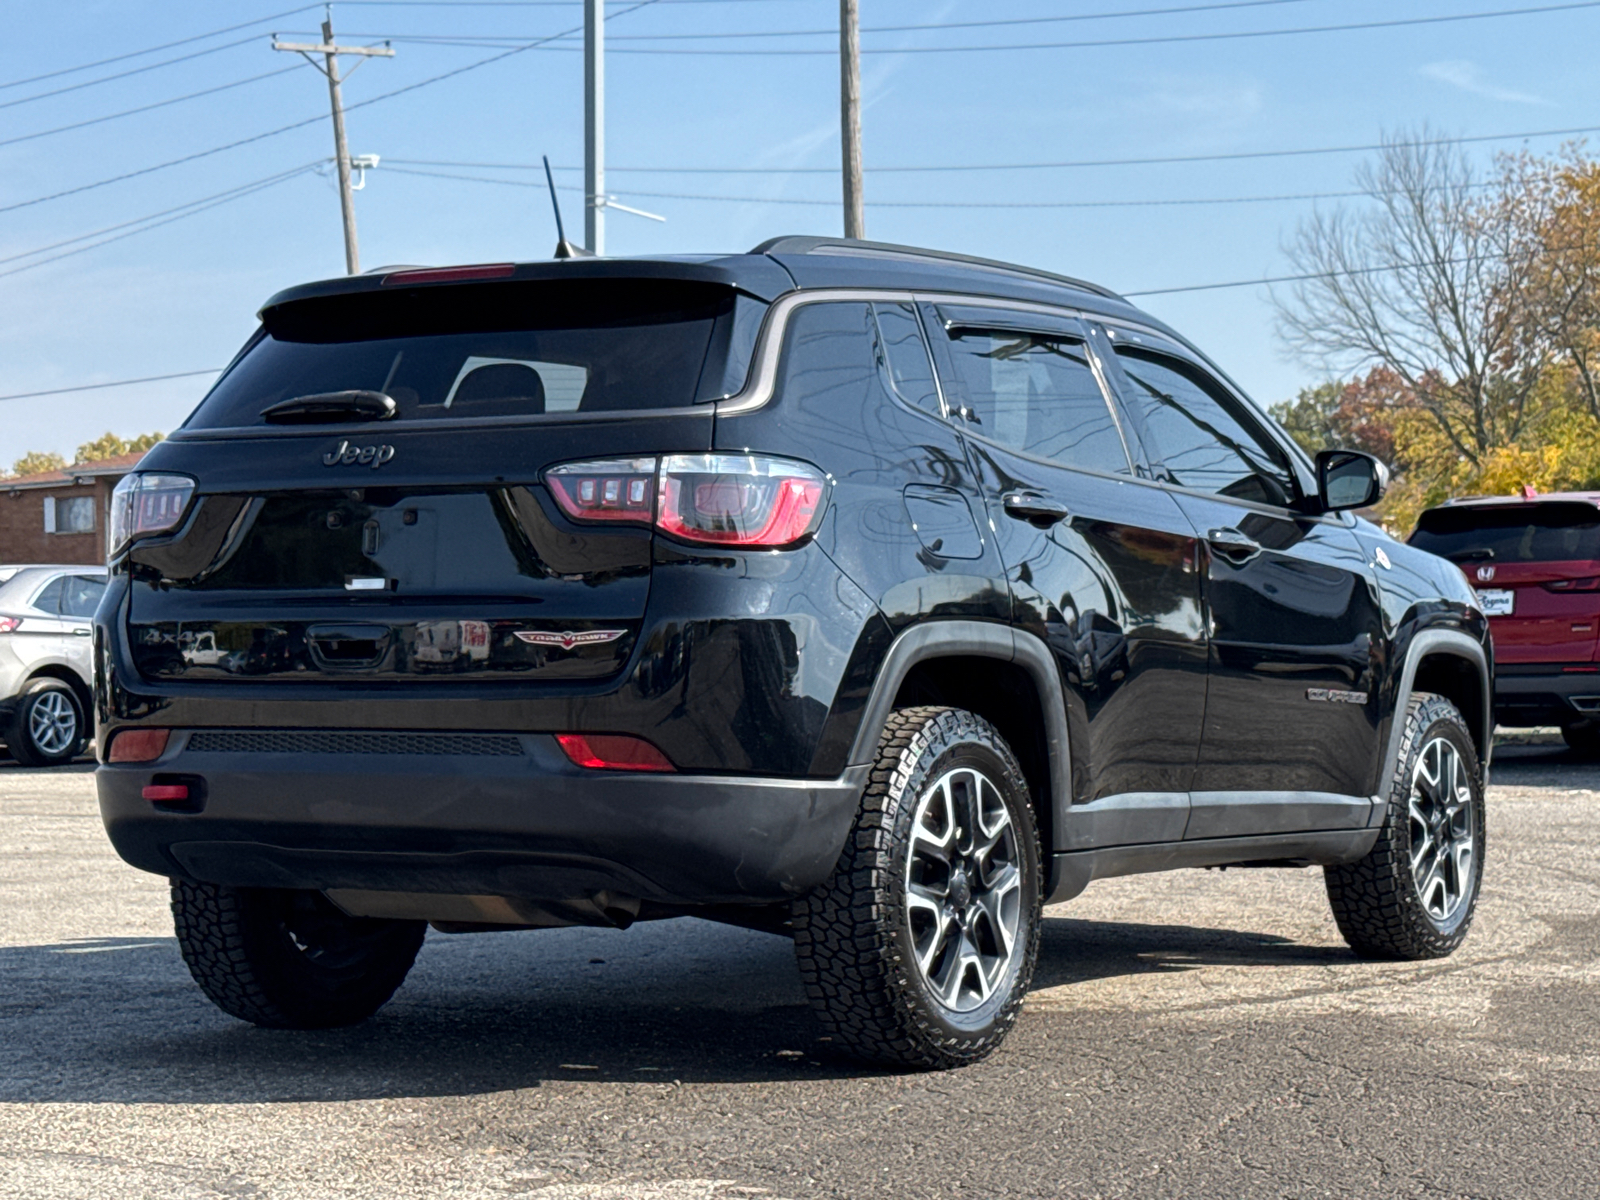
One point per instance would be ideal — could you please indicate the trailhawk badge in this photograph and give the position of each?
(567, 639)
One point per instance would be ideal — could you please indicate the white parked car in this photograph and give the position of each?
(47, 660)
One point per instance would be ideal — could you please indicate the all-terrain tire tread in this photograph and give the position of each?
(851, 972)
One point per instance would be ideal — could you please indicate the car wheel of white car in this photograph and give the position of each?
(48, 727)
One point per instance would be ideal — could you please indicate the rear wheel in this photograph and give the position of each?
(289, 959)
(919, 950)
(1414, 894)
(47, 727)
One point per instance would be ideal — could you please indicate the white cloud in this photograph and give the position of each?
(1467, 76)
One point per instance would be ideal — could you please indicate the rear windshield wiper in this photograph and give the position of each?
(1471, 555)
(325, 408)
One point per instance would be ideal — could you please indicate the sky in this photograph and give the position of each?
(178, 293)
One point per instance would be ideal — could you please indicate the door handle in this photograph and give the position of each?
(80, 633)
(1233, 545)
(1039, 511)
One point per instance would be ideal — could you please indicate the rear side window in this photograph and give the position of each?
(498, 349)
(1036, 392)
(80, 595)
(49, 598)
(1552, 532)
(906, 357)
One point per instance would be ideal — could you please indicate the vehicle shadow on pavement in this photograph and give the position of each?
(118, 1019)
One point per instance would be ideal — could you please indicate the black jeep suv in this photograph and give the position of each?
(869, 595)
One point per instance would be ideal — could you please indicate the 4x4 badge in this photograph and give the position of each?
(347, 455)
(567, 639)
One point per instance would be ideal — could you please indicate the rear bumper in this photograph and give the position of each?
(507, 817)
(1545, 694)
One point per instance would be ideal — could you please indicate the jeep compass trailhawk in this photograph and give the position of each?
(869, 595)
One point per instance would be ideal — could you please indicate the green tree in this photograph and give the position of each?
(36, 462)
(109, 445)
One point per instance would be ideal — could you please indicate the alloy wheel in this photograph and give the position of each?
(963, 889)
(1443, 830)
(53, 723)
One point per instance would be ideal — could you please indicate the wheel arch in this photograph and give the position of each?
(71, 678)
(1451, 664)
(1004, 675)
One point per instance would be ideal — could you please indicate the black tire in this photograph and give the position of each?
(289, 959)
(1383, 910)
(49, 703)
(1583, 737)
(857, 936)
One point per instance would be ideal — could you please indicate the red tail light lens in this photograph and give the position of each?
(138, 745)
(7, 624)
(739, 499)
(747, 500)
(146, 504)
(613, 752)
(620, 489)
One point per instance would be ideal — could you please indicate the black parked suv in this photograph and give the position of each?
(865, 594)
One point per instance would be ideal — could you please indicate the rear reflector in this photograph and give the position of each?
(165, 792)
(613, 752)
(138, 745)
(451, 274)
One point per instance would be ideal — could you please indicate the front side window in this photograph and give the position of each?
(905, 354)
(1037, 393)
(1196, 433)
(80, 595)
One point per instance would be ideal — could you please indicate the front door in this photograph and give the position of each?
(1101, 566)
(1291, 706)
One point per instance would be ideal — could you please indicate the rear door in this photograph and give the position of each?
(1101, 566)
(434, 542)
(79, 597)
(1536, 568)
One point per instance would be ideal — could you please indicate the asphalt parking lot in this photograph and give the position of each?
(1200, 1034)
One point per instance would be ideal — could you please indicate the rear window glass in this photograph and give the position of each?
(1525, 533)
(496, 350)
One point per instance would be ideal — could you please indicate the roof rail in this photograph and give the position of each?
(853, 247)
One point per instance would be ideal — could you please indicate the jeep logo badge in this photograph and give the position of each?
(344, 454)
(1485, 574)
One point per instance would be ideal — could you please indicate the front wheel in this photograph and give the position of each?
(1414, 894)
(919, 950)
(47, 727)
(289, 959)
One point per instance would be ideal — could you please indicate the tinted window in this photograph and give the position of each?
(80, 595)
(508, 349)
(906, 357)
(1196, 433)
(49, 599)
(1037, 393)
(1526, 533)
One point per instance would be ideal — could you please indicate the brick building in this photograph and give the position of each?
(60, 516)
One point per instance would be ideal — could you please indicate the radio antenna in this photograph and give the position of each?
(564, 248)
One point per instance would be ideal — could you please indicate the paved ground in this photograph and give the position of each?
(1194, 1035)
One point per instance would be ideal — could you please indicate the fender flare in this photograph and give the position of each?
(1438, 641)
(979, 639)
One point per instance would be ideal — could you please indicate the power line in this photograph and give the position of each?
(258, 137)
(199, 37)
(144, 108)
(199, 207)
(91, 387)
(229, 193)
(182, 58)
(1031, 166)
(1164, 39)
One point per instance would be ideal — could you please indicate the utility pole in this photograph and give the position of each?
(594, 125)
(330, 52)
(855, 217)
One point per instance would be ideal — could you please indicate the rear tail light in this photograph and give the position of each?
(145, 504)
(613, 752)
(747, 500)
(138, 745)
(7, 624)
(1589, 584)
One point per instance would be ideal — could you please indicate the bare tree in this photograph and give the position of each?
(1418, 281)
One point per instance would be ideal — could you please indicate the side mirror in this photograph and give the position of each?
(1349, 479)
